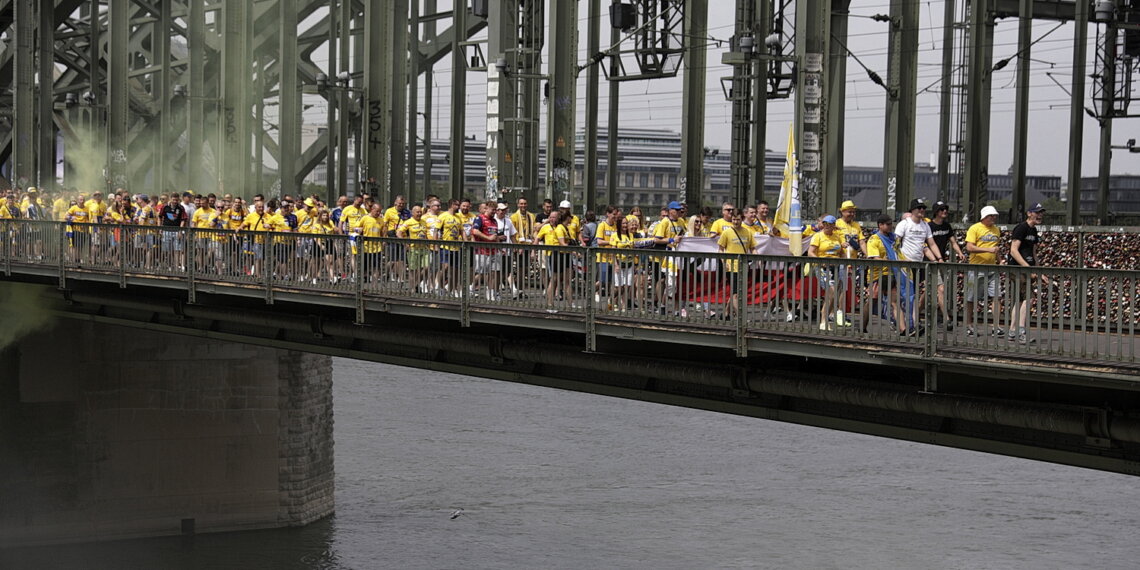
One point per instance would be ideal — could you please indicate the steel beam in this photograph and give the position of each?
(901, 93)
(813, 40)
(831, 131)
(612, 129)
(161, 80)
(332, 100)
(502, 96)
(23, 116)
(1107, 110)
(45, 104)
(345, 114)
(975, 177)
(118, 92)
(413, 113)
(1021, 112)
(693, 105)
(235, 104)
(197, 90)
(945, 99)
(560, 145)
(289, 96)
(1077, 112)
(376, 93)
(590, 154)
(761, 28)
(398, 82)
(429, 97)
(458, 103)
(741, 97)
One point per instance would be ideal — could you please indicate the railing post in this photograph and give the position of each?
(123, 256)
(268, 266)
(191, 249)
(465, 271)
(739, 288)
(930, 370)
(8, 247)
(591, 320)
(1081, 248)
(358, 275)
(63, 252)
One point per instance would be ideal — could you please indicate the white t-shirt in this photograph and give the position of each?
(912, 236)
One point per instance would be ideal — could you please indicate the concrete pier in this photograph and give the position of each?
(109, 432)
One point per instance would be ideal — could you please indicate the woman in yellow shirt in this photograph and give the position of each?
(830, 244)
(324, 249)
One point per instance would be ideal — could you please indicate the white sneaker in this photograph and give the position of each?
(789, 317)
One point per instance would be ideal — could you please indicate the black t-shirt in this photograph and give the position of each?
(540, 217)
(942, 234)
(1028, 236)
(173, 215)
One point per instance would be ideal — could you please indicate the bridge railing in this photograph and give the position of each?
(932, 309)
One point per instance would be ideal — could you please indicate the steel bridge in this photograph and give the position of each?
(210, 95)
(1070, 396)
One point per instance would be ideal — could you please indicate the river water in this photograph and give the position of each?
(554, 479)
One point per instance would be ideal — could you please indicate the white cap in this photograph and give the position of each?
(564, 204)
(989, 211)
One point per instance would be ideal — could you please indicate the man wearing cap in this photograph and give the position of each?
(668, 233)
(1022, 252)
(830, 243)
(572, 222)
(943, 233)
(916, 242)
(983, 240)
(851, 230)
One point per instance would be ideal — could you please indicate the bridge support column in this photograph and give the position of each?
(107, 433)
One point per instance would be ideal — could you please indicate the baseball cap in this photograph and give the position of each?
(917, 203)
(940, 205)
(829, 219)
(1036, 208)
(564, 204)
(848, 205)
(674, 205)
(989, 211)
(503, 206)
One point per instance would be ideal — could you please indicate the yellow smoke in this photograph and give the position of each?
(22, 312)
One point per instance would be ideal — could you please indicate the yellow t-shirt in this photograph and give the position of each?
(318, 228)
(829, 245)
(465, 221)
(450, 229)
(412, 228)
(606, 232)
(391, 220)
(573, 226)
(549, 235)
(735, 240)
(877, 249)
(371, 227)
(983, 236)
(352, 217)
(234, 219)
(524, 225)
(719, 226)
(96, 211)
(669, 229)
(849, 230)
(204, 218)
(145, 216)
(59, 209)
(258, 223)
(5, 213)
(78, 215)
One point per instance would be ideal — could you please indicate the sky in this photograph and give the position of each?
(658, 103)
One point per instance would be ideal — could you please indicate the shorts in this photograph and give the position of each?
(488, 262)
(558, 263)
(979, 282)
(395, 251)
(282, 252)
(372, 261)
(419, 259)
(623, 276)
(448, 257)
(604, 272)
(825, 274)
(172, 240)
(255, 249)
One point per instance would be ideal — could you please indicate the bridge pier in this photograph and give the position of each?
(108, 432)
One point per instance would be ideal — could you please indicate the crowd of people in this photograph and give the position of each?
(637, 258)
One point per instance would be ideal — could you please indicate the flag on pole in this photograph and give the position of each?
(787, 219)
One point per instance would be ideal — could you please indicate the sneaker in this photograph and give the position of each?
(949, 326)
(789, 317)
(971, 332)
(1025, 339)
(998, 331)
(552, 311)
(684, 314)
(1012, 334)
(840, 320)
(824, 326)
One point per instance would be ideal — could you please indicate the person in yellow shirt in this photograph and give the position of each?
(417, 229)
(828, 243)
(371, 228)
(450, 230)
(395, 252)
(669, 232)
(884, 286)
(851, 230)
(59, 208)
(78, 218)
(572, 222)
(351, 216)
(324, 249)
(208, 220)
(726, 212)
(5, 212)
(606, 233)
(983, 241)
(524, 222)
(259, 222)
(558, 264)
(466, 217)
(635, 215)
(735, 238)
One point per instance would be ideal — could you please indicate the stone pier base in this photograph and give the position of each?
(109, 432)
